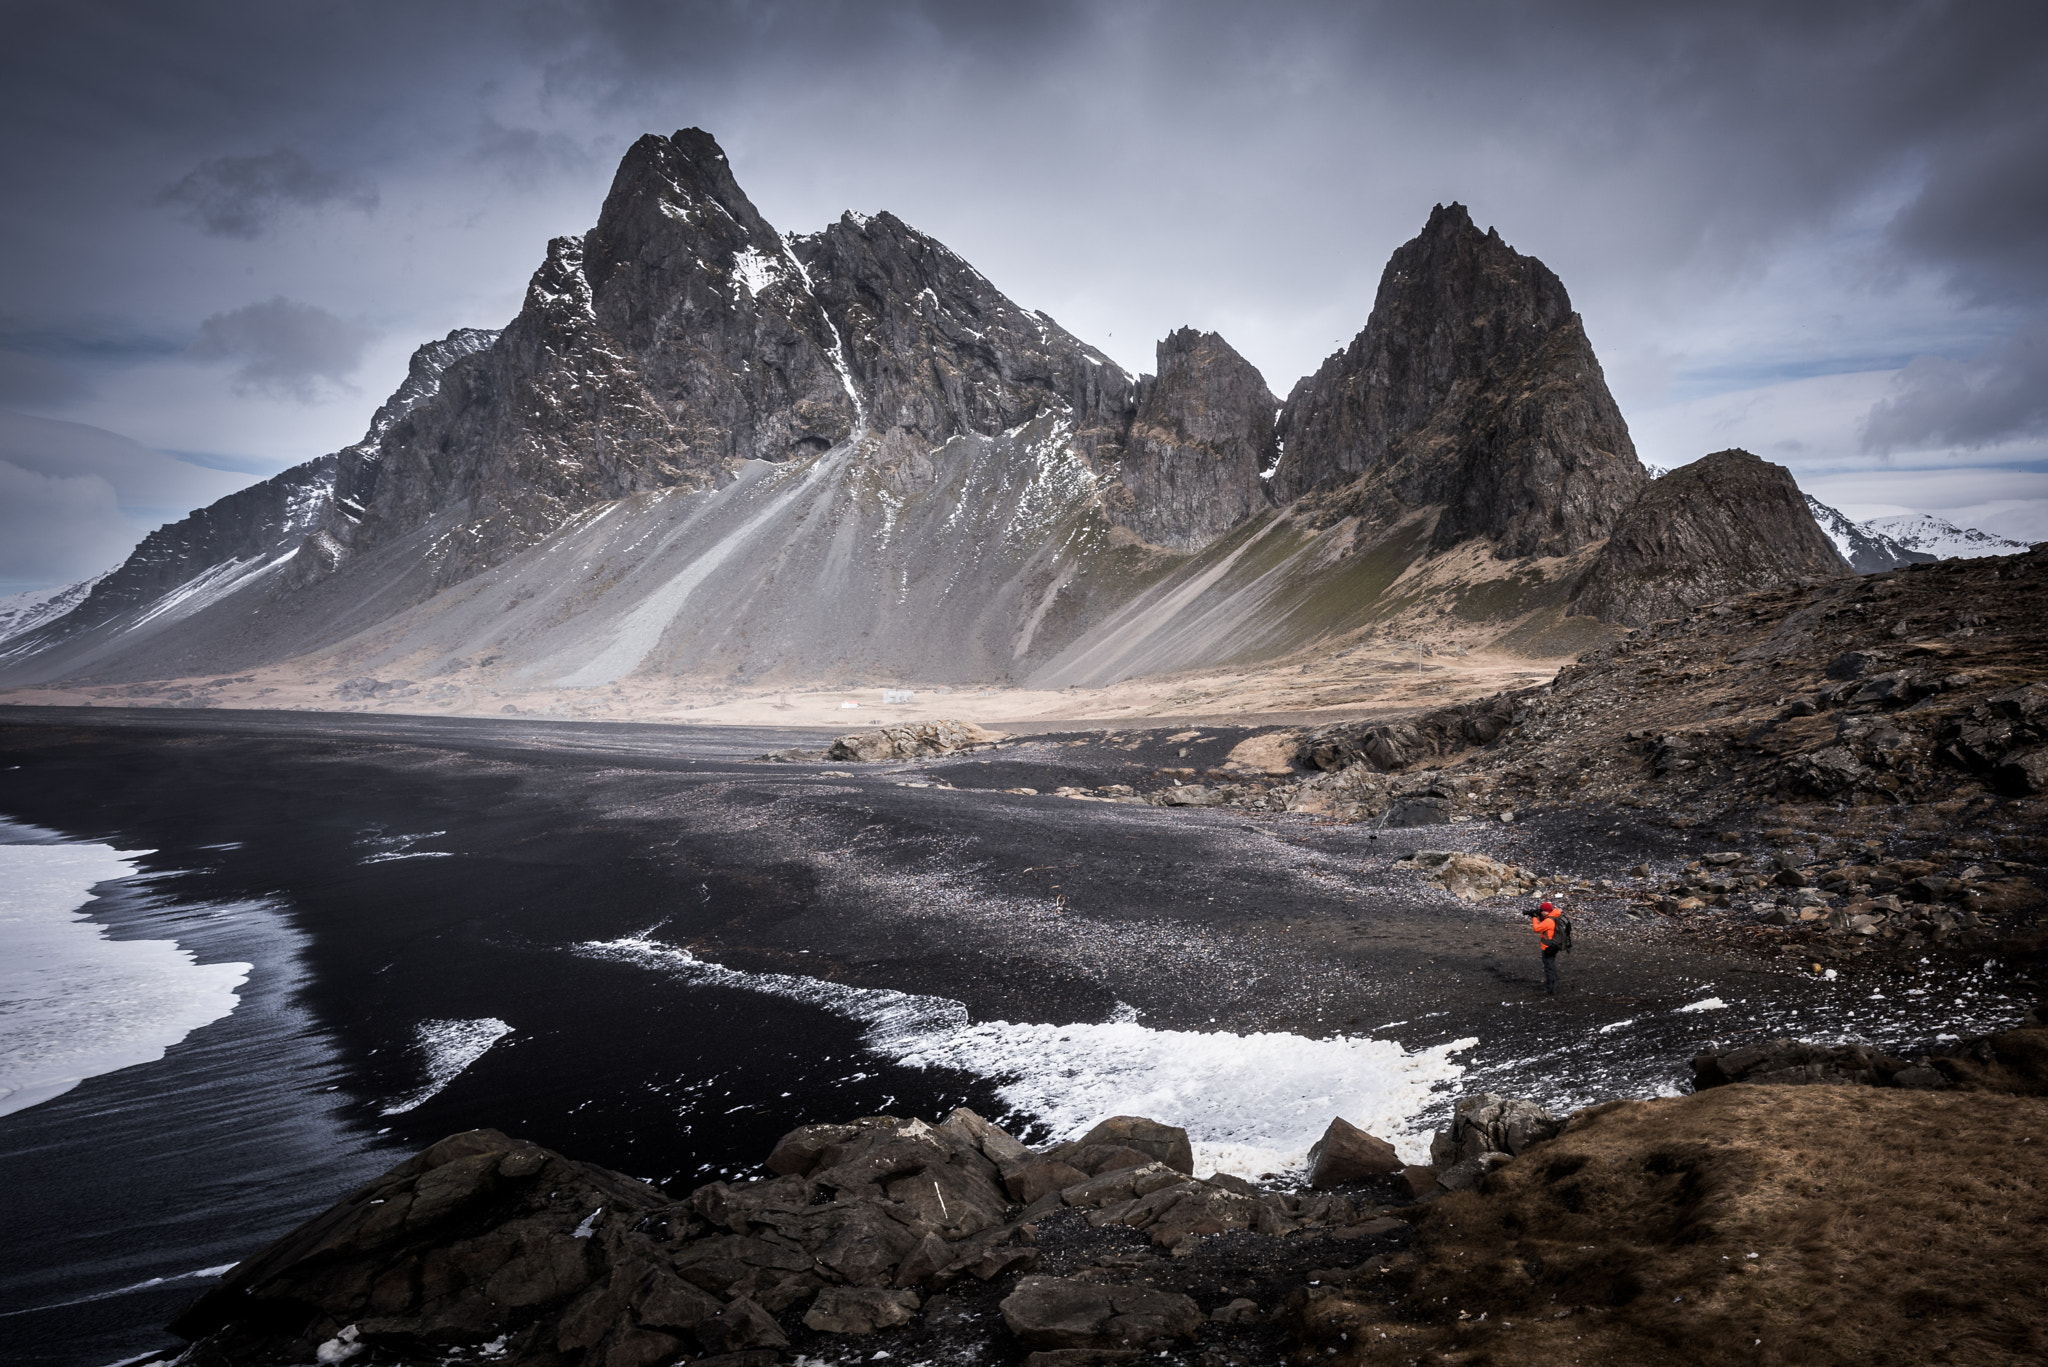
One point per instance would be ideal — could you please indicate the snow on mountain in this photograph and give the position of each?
(23, 612)
(1866, 551)
(1885, 543)
(1940, 539)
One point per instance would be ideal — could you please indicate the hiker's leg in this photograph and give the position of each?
(1550, 973)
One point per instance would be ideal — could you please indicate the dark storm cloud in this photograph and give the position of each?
(284, 348)
(243, 196)
(1130, 165)
(1998, 396)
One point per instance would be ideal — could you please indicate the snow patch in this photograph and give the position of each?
(1251, 1104)
(754, 270)
(1708, 1004)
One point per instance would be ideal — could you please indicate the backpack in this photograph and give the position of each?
(1563, 938)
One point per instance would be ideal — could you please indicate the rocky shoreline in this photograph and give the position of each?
(884, 1237)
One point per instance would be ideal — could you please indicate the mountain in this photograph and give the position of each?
(1885, 543)
(1866, 551)
(704, 450)
(1923, 534)
(1725, 525)
(1472, 388)
(21, 613)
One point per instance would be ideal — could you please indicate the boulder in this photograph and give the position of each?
(1096, 1159)
(1418, 1181)
(1061, 1312)
(1167, 1144)
(1028, 1182)
(1187, 795)
(1467, 1173)
(1347, 1154)
(2023, 773)
(1419, 811)
(1121, 1184)
(860, 1310)
(1485, 1123)
(740, 1326)
(911, 740)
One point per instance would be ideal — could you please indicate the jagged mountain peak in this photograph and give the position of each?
(939, 351)
(1202, 433)
(1472, 388)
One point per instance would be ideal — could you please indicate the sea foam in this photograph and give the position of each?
(1251, 1104)
(75, 1004)
(449, 1047)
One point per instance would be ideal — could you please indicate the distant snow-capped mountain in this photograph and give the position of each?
(1867, 551)
(22, 612)
(1939, 538)
(1885, 543)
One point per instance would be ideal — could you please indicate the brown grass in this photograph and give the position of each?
(1888, 1228)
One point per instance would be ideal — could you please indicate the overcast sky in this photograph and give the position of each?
(1819, 231)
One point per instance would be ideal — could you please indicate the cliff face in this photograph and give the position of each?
(1726, 524)
(937, 352)
(1202, 433)
(1472, 387)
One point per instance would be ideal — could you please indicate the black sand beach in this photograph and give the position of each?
(445, 870)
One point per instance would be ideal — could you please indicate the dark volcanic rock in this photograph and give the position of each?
(1724, 525)
(1347, 1154)
(1789, 1061)
(1059, 1312)
(939, 352)
(1473, 388)
(1203, 432)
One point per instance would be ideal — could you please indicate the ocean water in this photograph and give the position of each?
(171, 1105)
(75, 1003)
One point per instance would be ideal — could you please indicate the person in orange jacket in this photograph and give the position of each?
(1544, 923)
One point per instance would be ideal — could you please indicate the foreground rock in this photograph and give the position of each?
(1055, 1312)
(1347, 1154)
(2011, 1061)
(484, 1239)
(912, 740)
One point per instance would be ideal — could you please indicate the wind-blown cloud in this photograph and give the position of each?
(1999, 396)
(57, 529)
(243, 196)
(285, 348)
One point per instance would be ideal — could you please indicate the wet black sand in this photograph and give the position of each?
(519, 838)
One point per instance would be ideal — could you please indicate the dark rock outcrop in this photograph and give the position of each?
(1063, 1312)
(912, 740)
(676, 336)
(938, 352)
(1202, 434)
(1727, 524)
(1347, 1154)
(1472, 388)
(2009, 1061)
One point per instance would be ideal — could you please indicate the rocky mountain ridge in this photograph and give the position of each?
(703, 449)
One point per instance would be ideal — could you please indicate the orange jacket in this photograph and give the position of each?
(1545, 928)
